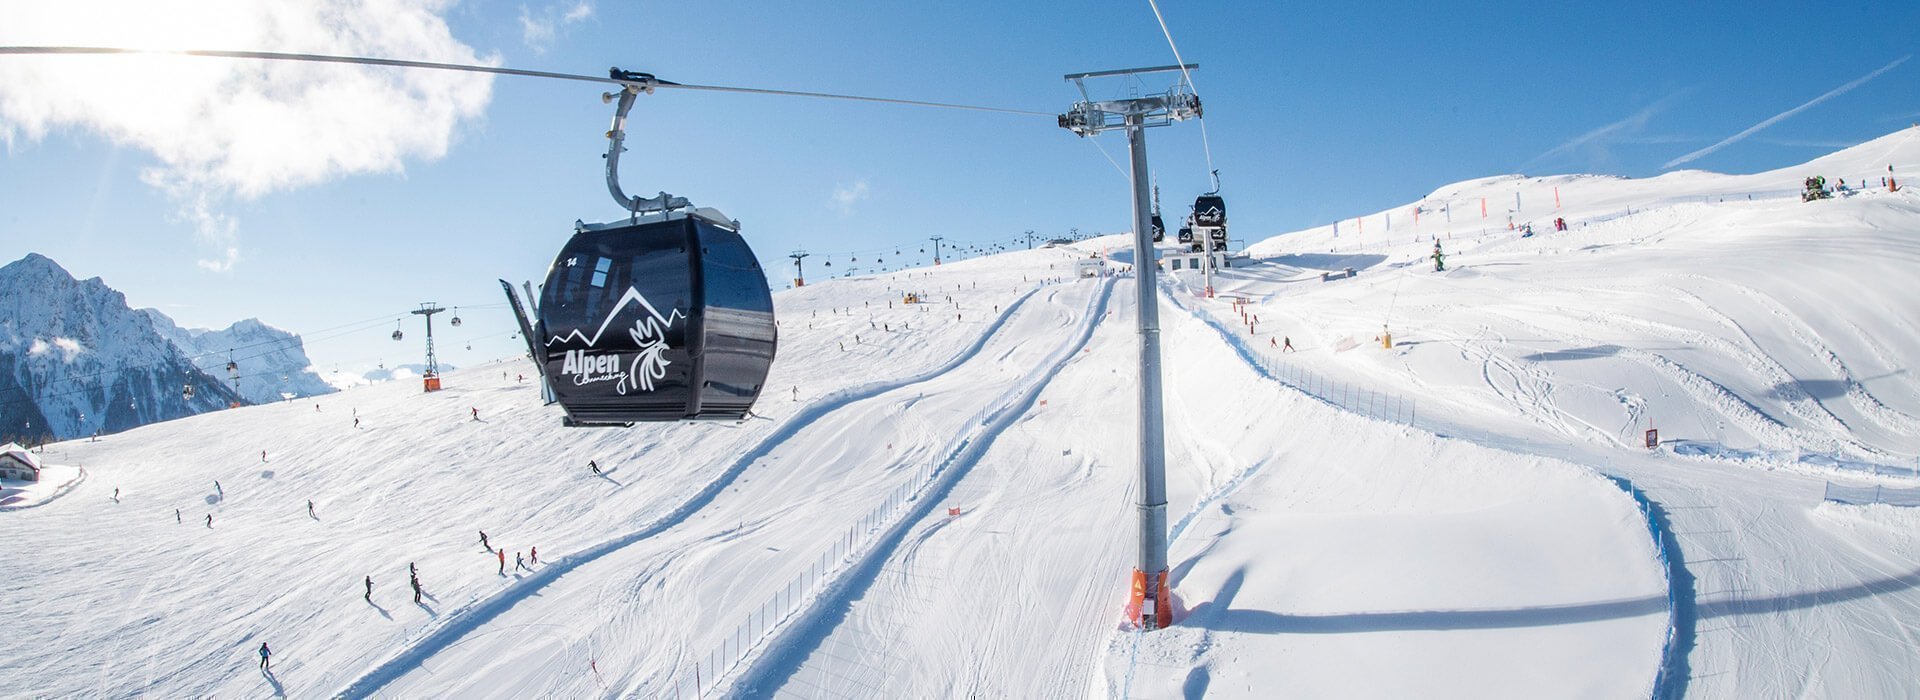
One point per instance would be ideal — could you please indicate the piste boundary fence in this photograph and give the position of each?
(1870, 495)
(1664, 678)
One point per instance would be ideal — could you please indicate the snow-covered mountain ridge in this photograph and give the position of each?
(75, 360)
(273, 362)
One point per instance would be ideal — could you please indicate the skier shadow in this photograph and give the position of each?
(616, 482)
(279, 690)
(383, 611)
(213, 499)
(423, 606)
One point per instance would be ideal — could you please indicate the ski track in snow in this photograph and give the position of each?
(782, 654)
(463, 621)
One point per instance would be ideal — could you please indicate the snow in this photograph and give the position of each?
(55, 481)
(1471, 540)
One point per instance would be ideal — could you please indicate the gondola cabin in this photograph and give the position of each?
(1159, 229)
(1209, 211)
(662, 318)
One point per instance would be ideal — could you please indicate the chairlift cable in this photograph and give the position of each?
(644, 84)
(306, 339)
(93, 387)
(1095, 140)
(1205, 147)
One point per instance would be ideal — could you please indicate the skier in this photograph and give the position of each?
(209, 521)
(416, 588)
(796, 393)
(1440, 257)
(593, 467)
(533, 555)
(356, 423)
(1286, 345)
(503, 560)
(369, 589)
(176, 516)
(519, 562)
(483, 541)
(116, 494)
(310, 510)
(216, 489)
(265, 656)
(476, 413)
(263, 455)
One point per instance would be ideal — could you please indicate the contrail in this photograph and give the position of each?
(1635, 122)
(1836, 92)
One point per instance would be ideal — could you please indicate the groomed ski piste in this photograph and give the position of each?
(944, 506)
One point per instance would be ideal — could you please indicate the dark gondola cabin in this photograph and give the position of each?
(1159, 229)
(663, 319)
(1209, 211)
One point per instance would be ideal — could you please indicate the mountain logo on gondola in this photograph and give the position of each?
(649, 336)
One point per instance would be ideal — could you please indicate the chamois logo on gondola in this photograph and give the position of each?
(649, 335)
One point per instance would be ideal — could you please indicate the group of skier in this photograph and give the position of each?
(519, 562)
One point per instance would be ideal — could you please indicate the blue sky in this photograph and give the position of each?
(1316, 111)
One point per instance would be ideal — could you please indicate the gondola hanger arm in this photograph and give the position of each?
(632, 84)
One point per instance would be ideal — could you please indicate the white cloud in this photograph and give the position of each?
(539, 30)
(222, 129)
(1770, 121)
(68, 347)
(845, 196)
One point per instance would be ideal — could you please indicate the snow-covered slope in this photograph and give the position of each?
(1772, 329)
(1489, 205)
(936, 499)
(273, 362)
(1003, 396)
(74, 360)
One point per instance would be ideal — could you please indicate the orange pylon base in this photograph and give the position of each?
(1162, 600)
